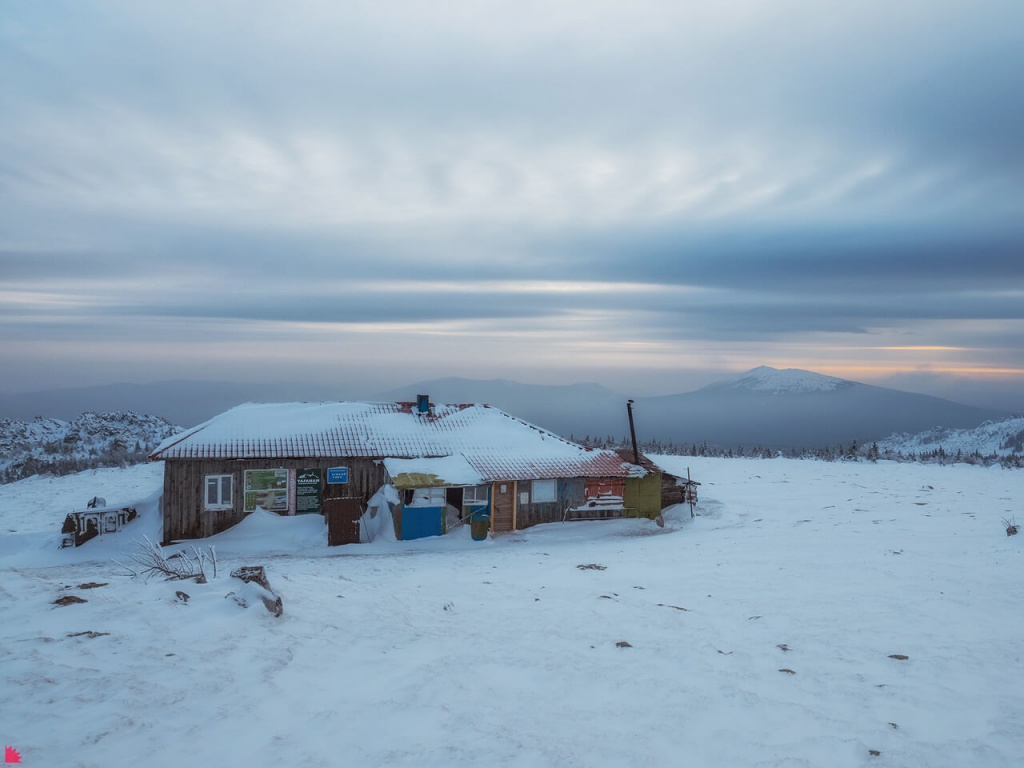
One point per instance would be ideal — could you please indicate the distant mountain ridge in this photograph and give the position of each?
(788, 381)
(784, 409)
(91, 440)
(790, 409)
(794, 409)
(998, 438)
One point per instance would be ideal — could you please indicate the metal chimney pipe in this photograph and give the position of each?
(632, 431)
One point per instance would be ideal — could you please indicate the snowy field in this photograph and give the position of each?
(763, 632)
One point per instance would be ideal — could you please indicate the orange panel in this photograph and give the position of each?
(604, 487)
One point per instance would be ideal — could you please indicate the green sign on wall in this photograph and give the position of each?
(308, 496)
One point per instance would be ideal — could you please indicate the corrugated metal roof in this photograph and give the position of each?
(495, 444)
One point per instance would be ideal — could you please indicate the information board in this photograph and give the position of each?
(337, 475)
(308, 497)
(266, 489)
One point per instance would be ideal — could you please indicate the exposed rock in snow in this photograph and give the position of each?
(255, 578)
(52, 446)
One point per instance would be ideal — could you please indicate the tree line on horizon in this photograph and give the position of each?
(59, 459)
(839, 452)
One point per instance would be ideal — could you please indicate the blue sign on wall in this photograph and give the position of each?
(337, 475)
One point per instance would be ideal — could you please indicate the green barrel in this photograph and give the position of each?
(479, 523)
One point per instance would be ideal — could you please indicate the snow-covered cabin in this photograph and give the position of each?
(446, 462)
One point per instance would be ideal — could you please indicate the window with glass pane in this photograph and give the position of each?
(543, 490)
(475, 494)
(218, 491)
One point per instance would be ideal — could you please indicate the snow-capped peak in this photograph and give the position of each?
(787, 381)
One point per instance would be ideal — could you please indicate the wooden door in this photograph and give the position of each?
(503, 499)
(343, 520)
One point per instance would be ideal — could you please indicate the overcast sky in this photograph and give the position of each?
(650, 195)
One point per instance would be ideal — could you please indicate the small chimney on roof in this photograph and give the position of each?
(422, 403)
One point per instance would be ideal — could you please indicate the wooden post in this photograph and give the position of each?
(515, 503)
(689, 490)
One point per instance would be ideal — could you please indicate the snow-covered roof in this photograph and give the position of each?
(495, 445)
(432, 472)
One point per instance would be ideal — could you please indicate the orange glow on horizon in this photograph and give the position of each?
(869, 371)
(918, 349)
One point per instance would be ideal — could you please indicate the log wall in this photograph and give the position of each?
(571, 493)
(185, 490)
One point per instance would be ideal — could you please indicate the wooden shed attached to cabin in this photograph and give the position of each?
(657, 489)
(448, 462)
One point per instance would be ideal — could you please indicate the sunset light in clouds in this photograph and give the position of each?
(650, 196)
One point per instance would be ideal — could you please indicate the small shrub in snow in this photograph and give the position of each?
(1011, 526)
(151, 561)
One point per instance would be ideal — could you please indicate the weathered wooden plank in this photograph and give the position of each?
(185, 515)
(570, 494)
(501, 506)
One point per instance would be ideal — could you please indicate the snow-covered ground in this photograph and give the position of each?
(760, 633)
(40, 503)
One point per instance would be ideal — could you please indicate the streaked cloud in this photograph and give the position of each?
(569, 189)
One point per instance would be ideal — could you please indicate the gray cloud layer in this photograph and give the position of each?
(751, 171)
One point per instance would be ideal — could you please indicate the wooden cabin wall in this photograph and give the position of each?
(571, 493)
(671, 492)
(185, 487)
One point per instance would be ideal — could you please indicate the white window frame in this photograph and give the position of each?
(221, 502)
(471, 494)
(543, 491)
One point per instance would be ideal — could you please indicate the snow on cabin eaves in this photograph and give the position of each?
(496, 444)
